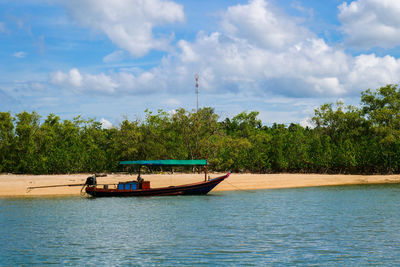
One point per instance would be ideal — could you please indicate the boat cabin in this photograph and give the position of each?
(133, 185)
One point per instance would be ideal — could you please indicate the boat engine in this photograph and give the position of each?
(91, 181)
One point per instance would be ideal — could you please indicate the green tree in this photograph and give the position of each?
(93, 139)
(232, 154)
(345, 126)
(195, 132)
(47, 140)
(243, 125)
(70, 153)
(279, 161)
(25, 147)
(7, 136)
(258, 157)
(320, 152)
(126, 141)
(382, 109)
(297, 148)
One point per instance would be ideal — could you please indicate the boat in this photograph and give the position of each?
(141, 188)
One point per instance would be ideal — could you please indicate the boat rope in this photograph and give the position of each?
(238, 188)
(82, 193)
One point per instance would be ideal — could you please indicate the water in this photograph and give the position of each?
(353, 225)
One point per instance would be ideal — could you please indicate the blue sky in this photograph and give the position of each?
(114, 59)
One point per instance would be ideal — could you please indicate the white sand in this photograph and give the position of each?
(16, 185)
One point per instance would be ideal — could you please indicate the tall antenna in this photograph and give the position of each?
(197, 91)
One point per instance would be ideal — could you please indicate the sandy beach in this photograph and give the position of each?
(16, 185)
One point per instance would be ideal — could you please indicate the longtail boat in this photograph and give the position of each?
(140, 187)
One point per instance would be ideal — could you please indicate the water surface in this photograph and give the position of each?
(351, 225)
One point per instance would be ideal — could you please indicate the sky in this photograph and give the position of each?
(111, 60)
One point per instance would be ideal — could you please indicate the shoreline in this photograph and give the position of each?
(12, 185)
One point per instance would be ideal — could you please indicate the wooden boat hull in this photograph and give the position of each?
(201, 188)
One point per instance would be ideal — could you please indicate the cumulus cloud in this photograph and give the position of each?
(307, 122)
(370, 71)
(247, 57)
(86, 82)
(278, 31)
(259, 51)
(371, 23)
(105, 124)
(122, 82)
(128, 23)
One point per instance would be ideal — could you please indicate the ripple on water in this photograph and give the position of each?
(353, 225)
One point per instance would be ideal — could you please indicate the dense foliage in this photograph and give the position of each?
(345, 139)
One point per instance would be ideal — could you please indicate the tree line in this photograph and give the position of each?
(344, 139)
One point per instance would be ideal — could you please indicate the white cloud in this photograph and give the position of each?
(370, 71)
(72, 78)
(128, 23)
(105, 124)
(58, 77)
(371, 23)
(278, 31)
(100, 83)
(277, 58)
(105, 83)
(20, 54)
(86, 82)
(307, 122)
(75, 78)
(172, 112)
(263, 51)
(230, 63)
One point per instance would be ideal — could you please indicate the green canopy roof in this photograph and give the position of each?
(167, 162)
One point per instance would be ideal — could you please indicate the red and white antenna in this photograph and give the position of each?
(196, 77)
